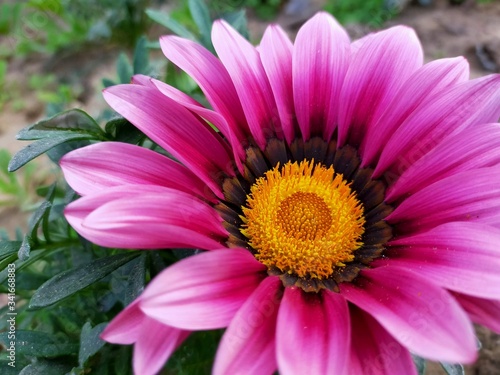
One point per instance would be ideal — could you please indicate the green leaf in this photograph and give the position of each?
(41, 146)
(106, 82)
(133, 277)
(124, 69)
(90, 342)
(201, 16)
(55, 154)
(73, 121)
(455, 369)
(141, 57)
(420, 364)
(123, 131)
(8, 248)
(39, 344)
(170, 23)
(71, 281)
(46, 367)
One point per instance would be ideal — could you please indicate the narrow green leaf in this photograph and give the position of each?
(46, 367)
(141, 57)
(39, 344)
(123, 131)
(453, 369)
(201, 16)
(8, 248)
(124, 69)
(90, 342)
(56, 153)
(71, 281)
(170, 23)
(74, 120)
(41, 146)
(25, 249)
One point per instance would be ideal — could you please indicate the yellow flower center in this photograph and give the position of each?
(303, 219)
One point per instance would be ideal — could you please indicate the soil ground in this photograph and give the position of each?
(471, 30)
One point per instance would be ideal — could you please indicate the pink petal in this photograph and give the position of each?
(380, 66)
(211, 116)
(276, 56)
(203, 291)
(155, 345)
(422, 85)
(141, 79)
(125, 328)
(482, 311)
(473, 148)
(421, 316)
(463, 257)
(472, 195)
(211, 76)
(248, 345)
(146, 217)
(374, 351)
(174, 128)
(91, 169)
(470, 103)
(243, 64)
(320, 60)
(313, 333)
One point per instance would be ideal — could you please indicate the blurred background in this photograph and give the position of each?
(60, 54)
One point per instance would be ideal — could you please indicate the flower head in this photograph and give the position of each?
(350, 203)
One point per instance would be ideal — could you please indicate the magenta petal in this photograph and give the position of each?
(242, 61)
(146, 217)
(213, 78)
(276, 56)
(320, 60)
(420, 315)
(379, 67)
(248, 345)
(472, 195)
(125, 328)
(174, 128)
(313, 333)
(203, 291)
(482, 311)
(473, 148)
(215, 118)
(154, 346)
(91, 169)
(429, 80)
(463, 257)
(374, 351)
(470, 103)
(141, 79)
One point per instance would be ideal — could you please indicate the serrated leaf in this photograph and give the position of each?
(201, 16)
(141, 57)
(41, 146)
(420, 363)
(71, 281)
(124, 69)
(90, 342)
(74, 121)
(46, 367)
(453, 369)
(39, 344)
(170, 23)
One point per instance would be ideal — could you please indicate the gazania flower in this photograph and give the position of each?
(350, 203)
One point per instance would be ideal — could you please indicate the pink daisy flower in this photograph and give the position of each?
(350, 203)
